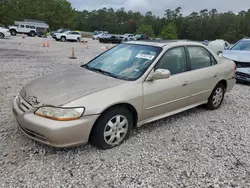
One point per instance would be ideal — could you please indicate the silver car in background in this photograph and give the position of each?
(240, 54)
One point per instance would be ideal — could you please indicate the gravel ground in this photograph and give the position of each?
(197, 148)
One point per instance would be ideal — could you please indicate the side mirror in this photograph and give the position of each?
(159, 74)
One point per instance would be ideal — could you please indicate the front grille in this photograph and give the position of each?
(22, 104)
(242, 74)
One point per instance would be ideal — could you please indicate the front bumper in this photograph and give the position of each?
(51, 132)
(242, 77)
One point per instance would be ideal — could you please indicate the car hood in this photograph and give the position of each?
(57, 89)
(237, 55)
(245, 70)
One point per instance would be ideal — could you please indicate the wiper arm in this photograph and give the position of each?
(103, 72)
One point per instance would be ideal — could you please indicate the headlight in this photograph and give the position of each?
(60, 114)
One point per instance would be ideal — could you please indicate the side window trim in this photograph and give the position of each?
(189, 59)
(186, 58)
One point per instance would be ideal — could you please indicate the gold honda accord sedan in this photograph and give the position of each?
(131, 84)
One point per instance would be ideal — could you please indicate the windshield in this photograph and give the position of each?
(125, 61)
(242, 45)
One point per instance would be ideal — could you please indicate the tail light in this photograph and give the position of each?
(235, 67)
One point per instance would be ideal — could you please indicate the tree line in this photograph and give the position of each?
(206, 24)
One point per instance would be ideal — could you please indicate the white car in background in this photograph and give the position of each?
(218, 45)
(128, 37)
(69, 36)
(4, 32)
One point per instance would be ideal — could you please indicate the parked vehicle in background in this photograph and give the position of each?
(131, 84)
(28, 27)
(29, 30)
(141, 37)
(128, 37)
(53, 33)
(205, 42)
(69, 36)
(218, 45)
(4, 32)
(240, 54)
(111, 39)
(99, 34)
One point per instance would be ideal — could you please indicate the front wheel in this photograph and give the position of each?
(216, 97)
(112, 128)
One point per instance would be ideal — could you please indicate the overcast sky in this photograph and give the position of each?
(158, 7)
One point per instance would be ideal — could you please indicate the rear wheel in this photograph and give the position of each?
(216, 97)
(1, 36)
(63, 39)
(32, 33)
(112, 128)
(78, 40)
(13, 32)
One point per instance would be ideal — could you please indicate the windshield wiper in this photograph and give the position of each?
(102, 71)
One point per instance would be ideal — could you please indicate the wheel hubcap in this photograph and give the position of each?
(115, 130)
(217, 97)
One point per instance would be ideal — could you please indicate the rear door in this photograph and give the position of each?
(70, 36)
(21, 29)
(204, 73)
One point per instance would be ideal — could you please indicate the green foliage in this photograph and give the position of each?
(206, 24)
(146, 29)
(169, 32)
(57, 13)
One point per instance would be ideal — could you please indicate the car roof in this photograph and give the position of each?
(162, 43)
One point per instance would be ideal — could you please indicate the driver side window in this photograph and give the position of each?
(173, 60)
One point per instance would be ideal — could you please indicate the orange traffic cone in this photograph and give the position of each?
(44, 45)
(23, 37)
(73, 54)
(87, 46)
(48, 44)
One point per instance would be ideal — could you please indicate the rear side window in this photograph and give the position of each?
(200, 57)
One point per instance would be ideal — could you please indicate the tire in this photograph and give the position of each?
(63, 39)
(216, 97)
(2, 36)
(13, 32)
(78, 40)
(32, 34)
(102, 125)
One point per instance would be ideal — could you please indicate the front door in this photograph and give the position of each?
(167, 95)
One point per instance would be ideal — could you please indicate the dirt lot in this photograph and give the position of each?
(197, 148)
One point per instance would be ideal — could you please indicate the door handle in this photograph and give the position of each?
(185, 83)
(215, 75)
